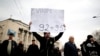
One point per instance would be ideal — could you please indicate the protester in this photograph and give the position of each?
(70, 48)
(47, 43)
(33, 50)
(9, 46)
(90, 47)
(57, 52)
(20, 49)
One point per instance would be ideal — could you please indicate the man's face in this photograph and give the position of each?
(71, 39)
(47, 34)
(33, 42)
(92, 39)
(10, 37)
(20, 42)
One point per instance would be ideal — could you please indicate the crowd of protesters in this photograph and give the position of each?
(88, 48)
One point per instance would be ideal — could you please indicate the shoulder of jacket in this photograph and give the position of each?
(67, 43)
(52, 38)
(5, 40)
(13, 40)
(30, 45)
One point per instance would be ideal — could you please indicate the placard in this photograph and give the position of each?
(47, 20)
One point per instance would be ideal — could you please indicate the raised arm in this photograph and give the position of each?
(58, 36)
(37, 36)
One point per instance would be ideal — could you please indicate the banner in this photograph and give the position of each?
(47, 20)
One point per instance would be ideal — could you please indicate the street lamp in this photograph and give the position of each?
(96, 16)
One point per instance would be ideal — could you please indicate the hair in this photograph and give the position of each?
(33, 40)
(11, 34)
(46, 32)
(88, 38)
(71, 37)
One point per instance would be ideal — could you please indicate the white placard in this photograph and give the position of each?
(47, 20)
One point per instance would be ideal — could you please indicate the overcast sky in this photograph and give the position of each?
(78, 14)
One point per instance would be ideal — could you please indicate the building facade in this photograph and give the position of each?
(21, 29)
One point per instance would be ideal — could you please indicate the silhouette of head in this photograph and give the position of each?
(33, 41)
(90, 38)
(47, 34)
(11, 35)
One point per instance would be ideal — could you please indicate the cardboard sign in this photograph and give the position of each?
(47, 20)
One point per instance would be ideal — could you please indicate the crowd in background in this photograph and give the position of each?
(89, 47)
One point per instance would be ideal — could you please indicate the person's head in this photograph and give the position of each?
(47, 34)
(33, 41)
(71, 39)
(20, 42)
(90, 38)
(11, 35)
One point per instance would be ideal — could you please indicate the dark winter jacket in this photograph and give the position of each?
(13, 48)
(20, 50)
(33, 50)
(70, 49)
(90, 49)
(47, 46)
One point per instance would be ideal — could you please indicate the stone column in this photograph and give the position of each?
(24, 40)
(21, 34)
